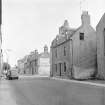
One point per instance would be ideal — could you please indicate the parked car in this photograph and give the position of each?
(12, 74)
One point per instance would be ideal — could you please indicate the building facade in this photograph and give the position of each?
(33, 62)
(100, 30)
(20, 64)
(60, 54)
(84, 49)
(1, 56)
(44, 62)
(73, 51)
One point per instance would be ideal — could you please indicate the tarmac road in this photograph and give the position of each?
(46, 91)
(34, 91)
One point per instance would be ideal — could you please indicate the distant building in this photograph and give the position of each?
(31, 63)
(20, 66)
(35, 63)
(27, 65)
(100, 30)
(73, 51)
(44, 62)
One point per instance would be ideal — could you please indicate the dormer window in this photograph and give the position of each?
(81, 36)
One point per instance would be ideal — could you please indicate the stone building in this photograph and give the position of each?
(60, 54)
(73, 51)
(100, 30)
(44, 62)
(31, 64)
(20, 64)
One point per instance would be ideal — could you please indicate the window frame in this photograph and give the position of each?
(64, 51)
(81, 35)
(56, 67)
(56, 53)
(65, 68)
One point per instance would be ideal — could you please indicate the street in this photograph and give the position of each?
(47, 91)
(37, 91)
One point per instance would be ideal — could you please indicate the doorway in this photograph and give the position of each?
(60, 72)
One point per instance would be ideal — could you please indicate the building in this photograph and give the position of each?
(100, 30)
(33, 62)
(44, 62)
(20, 64)
(73, 51)
(29, 64)
(60, 54)
(1, 56)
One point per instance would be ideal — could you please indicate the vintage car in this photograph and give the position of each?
(12, 74)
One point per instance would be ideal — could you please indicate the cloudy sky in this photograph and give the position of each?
(30, 24)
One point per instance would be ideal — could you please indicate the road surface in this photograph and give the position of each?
(34, 91)
(46, 91)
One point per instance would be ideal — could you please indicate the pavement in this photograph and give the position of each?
(91, 82)
(40, 90)
(31, 76)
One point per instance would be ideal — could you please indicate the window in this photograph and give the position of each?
(81, 36)
(64, 67)
(64, 51)
(56, 67)
(56, 53)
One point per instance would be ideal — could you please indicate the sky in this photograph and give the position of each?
(30, 24)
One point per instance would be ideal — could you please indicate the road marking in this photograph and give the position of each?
(6, 97)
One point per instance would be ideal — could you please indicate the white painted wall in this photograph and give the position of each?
(44, 66)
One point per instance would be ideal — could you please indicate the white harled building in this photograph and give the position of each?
(44, 62)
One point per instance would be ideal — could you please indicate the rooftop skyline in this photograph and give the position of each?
(30, 24)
